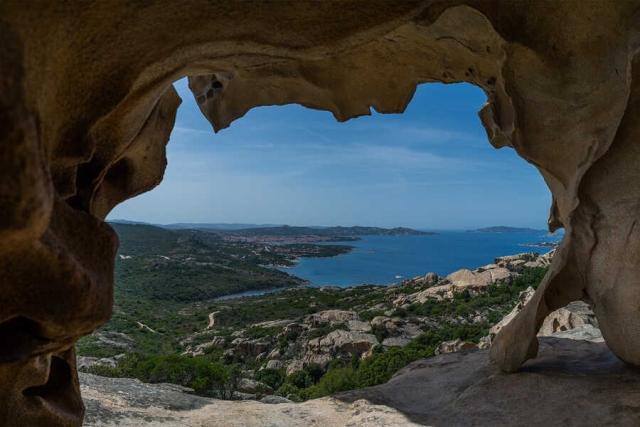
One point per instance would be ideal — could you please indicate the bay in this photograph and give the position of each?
(384, 260)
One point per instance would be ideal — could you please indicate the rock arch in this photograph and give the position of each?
(87, 106)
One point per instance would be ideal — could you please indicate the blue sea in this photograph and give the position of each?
(381, 259)
(384, 260)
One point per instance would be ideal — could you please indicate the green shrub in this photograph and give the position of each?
(286, 390)
(204, 377)
(300, 379)
(272, 377)
(314, 371)
(333, 381)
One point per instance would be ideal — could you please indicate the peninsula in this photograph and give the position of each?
(287, 233)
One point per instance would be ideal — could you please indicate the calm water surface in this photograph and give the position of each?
(379, 259)
(384, 260)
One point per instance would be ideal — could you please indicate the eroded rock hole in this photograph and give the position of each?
(19, 337)
(59, 380)
(210, 94)
(217, 84)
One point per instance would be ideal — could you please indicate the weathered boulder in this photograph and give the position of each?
(339, 343)
(435, 292)
(84, 363)
(564, 319)
(115, 339)
(512, 261)
(274, 354)
(275, 364)
(431, 278)
(478, 280)
(250, 347)
(573, 315)
(249, 386)
(321, 358)
(409, 330)
(295, 366)
(455, 346)
(218, 340)
(199, 349)
(274, 323)
(358, 326)
(380, 321)
(332, 317)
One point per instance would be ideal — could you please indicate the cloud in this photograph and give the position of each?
(405, 157)
(181, 130)
(431, 134)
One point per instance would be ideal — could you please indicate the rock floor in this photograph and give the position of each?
(571, 383)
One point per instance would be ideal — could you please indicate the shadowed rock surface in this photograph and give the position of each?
(570, 383)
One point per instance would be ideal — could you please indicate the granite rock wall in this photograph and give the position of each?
(87, 106)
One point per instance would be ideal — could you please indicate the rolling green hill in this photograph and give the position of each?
(194, 265)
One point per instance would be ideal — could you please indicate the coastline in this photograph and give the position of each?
(295, 259)
(413, 256)
(544, 245)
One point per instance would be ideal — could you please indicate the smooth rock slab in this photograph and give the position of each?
(124, 402)
(571, 383)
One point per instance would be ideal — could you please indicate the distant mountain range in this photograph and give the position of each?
(503, 229)
(284, 230)
(216, 226)
(196, 226)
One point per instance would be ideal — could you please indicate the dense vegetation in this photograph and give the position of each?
(162, 276)
(207, 378)
(165, 304)
(189, 265)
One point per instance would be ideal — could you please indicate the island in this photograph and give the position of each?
(503, 229)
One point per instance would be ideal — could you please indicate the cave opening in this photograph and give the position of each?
(276, 164)
(429, 168)
(560, 81)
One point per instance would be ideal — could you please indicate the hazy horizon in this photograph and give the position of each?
(124, 220)
(431, 167)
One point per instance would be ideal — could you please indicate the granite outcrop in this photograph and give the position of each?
(87, 106)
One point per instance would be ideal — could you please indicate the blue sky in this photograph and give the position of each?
(431, 167)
